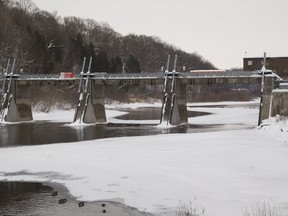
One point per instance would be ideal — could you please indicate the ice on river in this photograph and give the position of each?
(227, 171)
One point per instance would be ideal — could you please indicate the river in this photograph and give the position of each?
(45, 199)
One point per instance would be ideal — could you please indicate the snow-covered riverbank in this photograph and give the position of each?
(226, 171)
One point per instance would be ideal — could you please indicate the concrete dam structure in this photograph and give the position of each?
(16, 100)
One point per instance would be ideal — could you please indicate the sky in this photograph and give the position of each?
(221, 31)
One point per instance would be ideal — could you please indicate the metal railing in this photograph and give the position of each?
(143, 75)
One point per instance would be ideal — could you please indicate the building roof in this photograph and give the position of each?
(283, 57)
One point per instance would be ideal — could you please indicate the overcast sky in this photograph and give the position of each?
(222, 31)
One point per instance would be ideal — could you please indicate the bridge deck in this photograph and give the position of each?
(232, 77)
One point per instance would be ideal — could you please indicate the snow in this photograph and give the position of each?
(280, 90)
(275, 124)
(247, 116)
(227, 171)
(55, 115)
(67, 115)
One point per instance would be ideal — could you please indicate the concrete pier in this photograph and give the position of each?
(266, 97)
(17, 102)
(95, 112)
(174, 109)
(90, 107)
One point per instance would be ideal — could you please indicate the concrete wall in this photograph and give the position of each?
(279, 103)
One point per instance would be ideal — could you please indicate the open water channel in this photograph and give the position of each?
(46, 199)
(46, 132)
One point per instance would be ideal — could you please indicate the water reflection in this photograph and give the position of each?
(26, 198)
(148, 113)
(33, 133)
(39, 133)
(45, 132)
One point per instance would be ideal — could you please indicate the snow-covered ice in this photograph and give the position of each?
(226, 171)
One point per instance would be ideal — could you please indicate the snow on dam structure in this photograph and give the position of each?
(16, 100)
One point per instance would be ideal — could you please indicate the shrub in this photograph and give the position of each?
(265, 208)
(190, 209)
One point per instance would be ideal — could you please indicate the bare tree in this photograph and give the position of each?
(26, 5)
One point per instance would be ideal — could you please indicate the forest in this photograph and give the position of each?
(45, 43)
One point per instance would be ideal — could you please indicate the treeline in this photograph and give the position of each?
(43, 42)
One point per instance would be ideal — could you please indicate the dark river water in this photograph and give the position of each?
(31, 199)
(47, 199)
(46, 132)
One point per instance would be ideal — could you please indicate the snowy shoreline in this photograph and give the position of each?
(227, 171)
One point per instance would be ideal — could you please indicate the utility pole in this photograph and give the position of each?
(263, 69)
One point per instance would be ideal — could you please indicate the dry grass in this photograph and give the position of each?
(264, 208)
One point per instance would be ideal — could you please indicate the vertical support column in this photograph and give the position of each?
(95, 108)
(19, 102)
(166, 104)
(266, 100)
